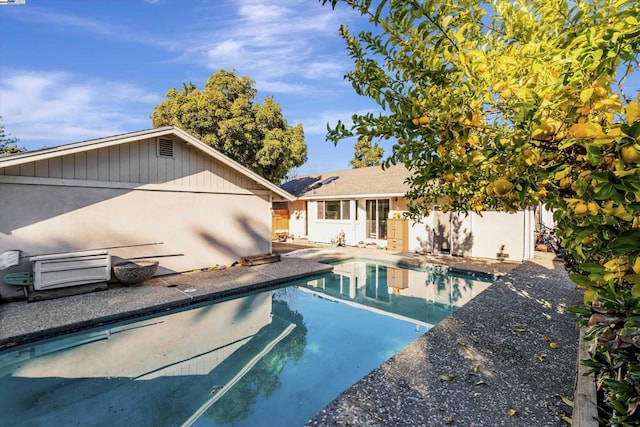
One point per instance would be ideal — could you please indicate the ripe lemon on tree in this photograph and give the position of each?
(502, 186)
(630, 154)
(424, 120)
(581, 208)
(565, 182)
(600, 92)
(547, 129)
(586, 130)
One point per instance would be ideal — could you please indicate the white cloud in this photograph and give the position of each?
(325, 68)
(226, 54)
(276, 86)
(317, 125)
(274, 42)
(95, 27)
(49, 108)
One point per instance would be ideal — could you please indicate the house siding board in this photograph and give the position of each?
(182, 164)
(134, 161)
(42, 168)
(137, 162)
(144, 161)
(27, 169)
(114, 164)
(201, 172)
(208, 182)
(68, 167)
(80, 165)
(124, 163)
(103, 164)
(193, 168)
(55, 167)
(13, 170)
(92, 165)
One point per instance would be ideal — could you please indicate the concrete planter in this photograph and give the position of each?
(135, 271)
(260, 259)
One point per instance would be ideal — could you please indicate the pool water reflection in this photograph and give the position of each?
(275, 357)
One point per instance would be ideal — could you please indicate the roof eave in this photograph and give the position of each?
(76, 147)
(352, 196)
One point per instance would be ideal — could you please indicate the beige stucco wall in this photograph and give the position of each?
(486, 236)
(208, 228)
(323, 230)
(298, 218)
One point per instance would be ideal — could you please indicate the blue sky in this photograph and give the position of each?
(72, 70)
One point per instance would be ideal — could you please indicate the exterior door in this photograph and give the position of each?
(377, 214)
(279, 223)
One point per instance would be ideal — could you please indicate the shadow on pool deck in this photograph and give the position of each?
(489, 357)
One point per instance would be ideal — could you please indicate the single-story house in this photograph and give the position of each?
(157, 192)
(366, 204)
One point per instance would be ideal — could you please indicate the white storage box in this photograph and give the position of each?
(70, 269)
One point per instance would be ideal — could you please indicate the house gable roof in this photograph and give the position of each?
(77, 147)
(360, 182)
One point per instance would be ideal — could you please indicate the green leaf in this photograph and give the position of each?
(581, 280)
(591, 267)
(627, 242)
(634, 279)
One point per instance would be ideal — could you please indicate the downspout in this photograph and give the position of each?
(354, 222)
(270, 243)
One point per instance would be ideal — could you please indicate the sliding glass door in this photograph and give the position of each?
(377, 213)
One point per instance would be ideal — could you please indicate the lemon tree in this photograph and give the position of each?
(504, 104)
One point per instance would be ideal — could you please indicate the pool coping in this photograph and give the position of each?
(23, 322)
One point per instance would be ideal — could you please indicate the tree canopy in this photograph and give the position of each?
(504, 104)
(7, 142)
(225, 116)
(366, 155)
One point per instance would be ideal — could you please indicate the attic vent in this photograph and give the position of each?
(165, 147)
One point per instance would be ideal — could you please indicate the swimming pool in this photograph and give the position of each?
(275, 357)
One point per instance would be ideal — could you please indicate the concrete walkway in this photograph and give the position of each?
(488, 364)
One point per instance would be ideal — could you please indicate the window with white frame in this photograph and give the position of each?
(334, 209)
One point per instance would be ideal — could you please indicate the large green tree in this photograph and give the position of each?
(504, 104)
(366, 154)
(224, 114)
(7, 142)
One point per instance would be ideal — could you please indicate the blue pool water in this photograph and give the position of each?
(272, 358)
